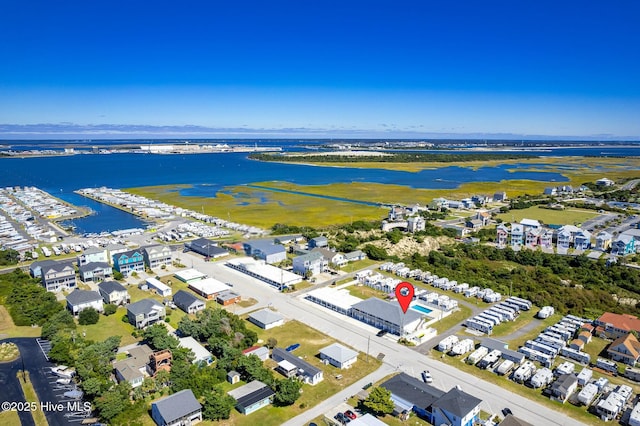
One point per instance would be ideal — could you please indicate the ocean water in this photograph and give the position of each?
(210, 173)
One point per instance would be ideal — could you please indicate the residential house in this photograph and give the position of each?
(473, 224)
(261, 352)
(35, 269)
(188, 302)
(113, 292)
(410, 394)
(180, 409)
(623, 245)
(354, 256)
(95, 271)
(603, 240)
(206, 247)
(532, 237)
(582, 240)
(502, 235)
(546, 239)
(288, 239)
(158, 287)
(299, 367)
(617, 325)
(625, 349)
(266, 250)
(252, 396)
(530, 224)
(92, 255)
(483, 216)
(58, 276)
(133, 369)
(551, 190)
(266, 319)
(312, 263)
(564, 239)
(200, 354)
(500, 196)
(605, 182)
(113, 249)
(145, 312)
(338, 355)
(157, 256)
(209, 288)
(228, 297)
(563, 387)
(456, 408)
(438, 204)
(320, 241)
(416, 224)
(517, 236)
(128, 262)
(333, 258)
(79, 300)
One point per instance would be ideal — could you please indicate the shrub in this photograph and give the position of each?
(110, 309)
(88, 316)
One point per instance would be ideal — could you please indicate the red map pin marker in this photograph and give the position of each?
(404, 294)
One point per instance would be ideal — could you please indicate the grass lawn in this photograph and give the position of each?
(8, 352)
(596, 347)
(31, 396)
(9, 418)
(311, 341)
(110, 326)
(461, 314)
(245, 303)
(9, 329)
(549, 217)
(531, 331)
(364, 292)
(360, 264)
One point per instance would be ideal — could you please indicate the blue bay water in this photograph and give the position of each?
(210, 173)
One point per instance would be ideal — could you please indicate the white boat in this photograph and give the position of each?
(74, 394)
(63, 381)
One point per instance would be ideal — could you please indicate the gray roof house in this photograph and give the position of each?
(157, 255)
(355, 256)
(252, 396)
(188, 302)
(312, 262)
(78, 300)
(266, 250)
(318, 242)
(456, 408)
(305, 371)
(386, 316)
(145, 312)
(58, 275)
(338, 355)
(181, 408)
(409, 393)
(206, 247)
(113, 292)
(266, 318)
(95, 271)
(133, 369)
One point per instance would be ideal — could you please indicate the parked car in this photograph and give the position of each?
(350, 414)
(342, 418)
(426, 376)
(381, 333)
(506, 411)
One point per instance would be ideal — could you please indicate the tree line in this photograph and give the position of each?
(404, 157)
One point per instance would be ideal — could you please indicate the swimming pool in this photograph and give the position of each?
(422, 309)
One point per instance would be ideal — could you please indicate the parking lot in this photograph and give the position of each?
(58, 408)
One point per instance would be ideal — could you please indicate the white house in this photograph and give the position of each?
(113, 292)
(266, 319)
(79, 300)
(338, 355)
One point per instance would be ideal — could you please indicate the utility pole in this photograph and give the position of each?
(368, 343)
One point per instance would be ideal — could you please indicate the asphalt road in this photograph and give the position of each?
(37, 366)
(10, 390)
(362, 337)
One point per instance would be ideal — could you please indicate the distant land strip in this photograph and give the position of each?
(333, 157)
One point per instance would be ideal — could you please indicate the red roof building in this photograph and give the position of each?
(618, 325)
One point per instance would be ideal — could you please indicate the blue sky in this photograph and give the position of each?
(320, 69)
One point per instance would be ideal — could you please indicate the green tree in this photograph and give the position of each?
(375, 253)
(117, 275)
(9, 257)
(114, 401)
(158, 337)
(62, 320)
(379, 401)
(110, 309)
(217, 405)
(287, 391)
(272, 342)
(88, 316)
